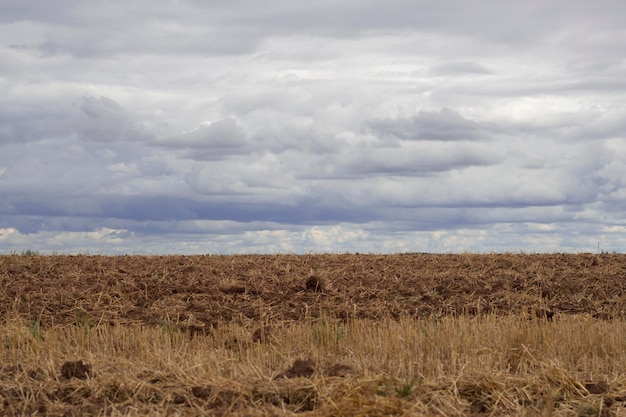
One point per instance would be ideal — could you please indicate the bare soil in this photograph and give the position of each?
(199, 292)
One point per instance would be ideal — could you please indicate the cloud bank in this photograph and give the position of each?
(370, 126)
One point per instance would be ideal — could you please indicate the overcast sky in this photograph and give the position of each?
(188, 126)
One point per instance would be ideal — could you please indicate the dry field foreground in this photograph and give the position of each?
(313, 335)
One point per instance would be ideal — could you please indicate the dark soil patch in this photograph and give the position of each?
(598, 387)
(76, 369)
(202, 392)
(262, 334)
(315, 284)
(301, 368)
(339, 370)
(288, 395)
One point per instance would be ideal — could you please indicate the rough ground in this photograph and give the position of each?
(202, 291)
(82, 295)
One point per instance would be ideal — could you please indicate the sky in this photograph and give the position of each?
(287, 126)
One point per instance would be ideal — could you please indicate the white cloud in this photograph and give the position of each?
(367, 238)
(5, 234)
(101, 240)
(364, 126)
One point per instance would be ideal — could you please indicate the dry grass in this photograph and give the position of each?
(313, 335)
(488, 365)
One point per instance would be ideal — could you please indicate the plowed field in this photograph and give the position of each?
(207, 290)
(315, 335)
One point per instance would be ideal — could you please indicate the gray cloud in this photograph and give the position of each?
(106, 121)
(460, 69)
(238, 27)
(416, 160)
(209, 142)
(444, 125)
(356, 125)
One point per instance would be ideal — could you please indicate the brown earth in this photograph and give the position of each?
(198, 292)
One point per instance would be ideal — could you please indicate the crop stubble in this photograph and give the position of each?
(248, 288)
(247, 305)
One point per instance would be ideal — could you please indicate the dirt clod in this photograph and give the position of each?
(76, 369)
(339, 370)
(315, 284)
(598, 387)
(201, 392)
(234, 290)
(262, 334)
(301, 368)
